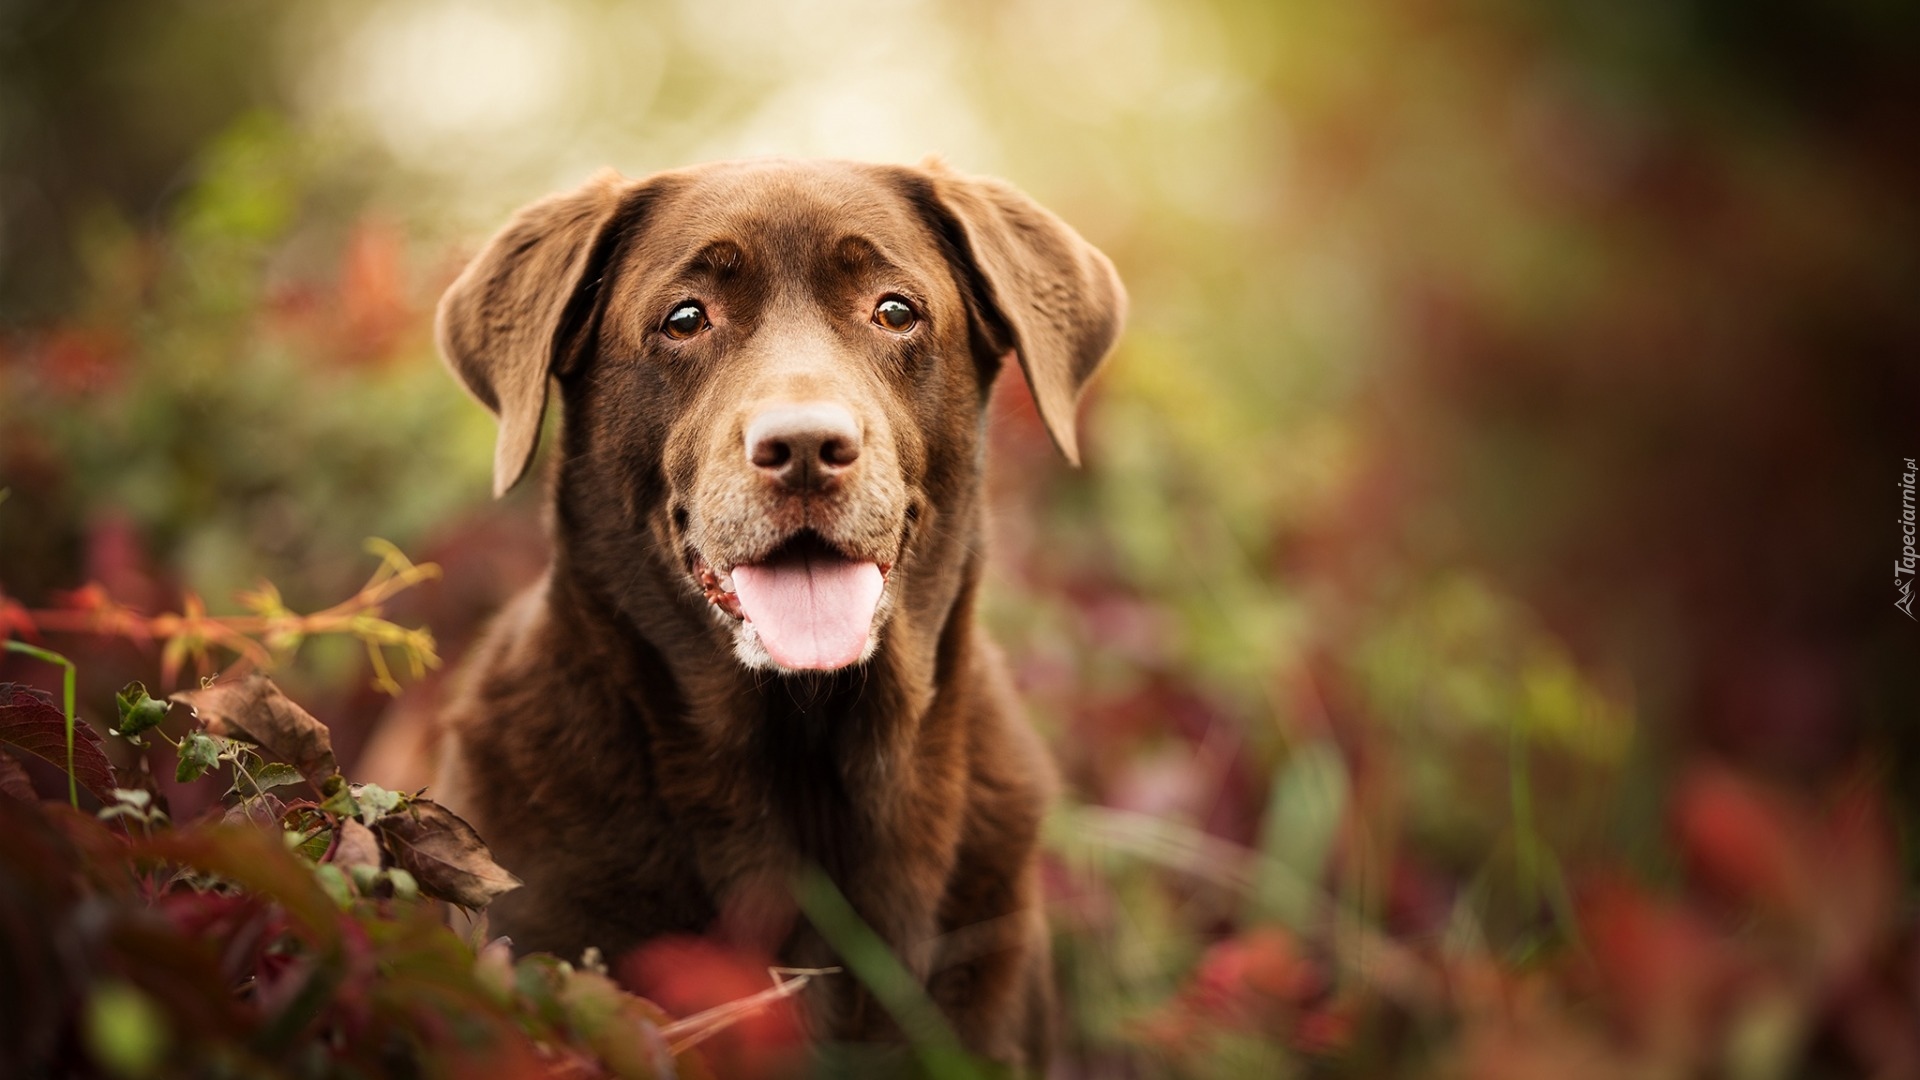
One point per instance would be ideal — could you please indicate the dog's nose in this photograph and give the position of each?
(803, 446)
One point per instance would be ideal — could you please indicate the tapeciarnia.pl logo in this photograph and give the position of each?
(1904, 565)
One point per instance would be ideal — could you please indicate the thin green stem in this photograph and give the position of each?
(892, 985)
(1538, 868)
(66, 682)
(1520, 795)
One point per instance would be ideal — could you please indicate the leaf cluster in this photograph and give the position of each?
(293, 934)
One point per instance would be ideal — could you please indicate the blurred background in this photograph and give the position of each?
(1471, 643)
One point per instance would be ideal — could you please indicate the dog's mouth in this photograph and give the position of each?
(807, 603)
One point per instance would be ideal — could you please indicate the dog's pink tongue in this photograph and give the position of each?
(811, 612)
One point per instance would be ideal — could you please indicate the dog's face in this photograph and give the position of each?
(774, 376)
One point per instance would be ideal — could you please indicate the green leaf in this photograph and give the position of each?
(1303, 819)
(198, 753)
(404, 885)
(138, 712)
(342, 803)
(335, 883)
(125, 1030)
(622, 1030)
(364, 877)
(375, 802)
(537, 982)
(312, 848)
(266, 777)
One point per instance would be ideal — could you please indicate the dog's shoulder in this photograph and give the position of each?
(512, 729)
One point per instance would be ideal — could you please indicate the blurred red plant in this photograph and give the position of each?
(1787, 955)
(690, 976)
(1258, 982)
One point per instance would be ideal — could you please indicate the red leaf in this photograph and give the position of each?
(257, 860)
(1661, 965)
(1858, 902)
(1264, 961)
(1743, 844)
(14, 780)
(1326, 1030)
(30, 723)
(15, 622)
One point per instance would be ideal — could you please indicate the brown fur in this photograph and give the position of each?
(607, 739)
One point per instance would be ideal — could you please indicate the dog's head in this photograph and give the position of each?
(774, 376)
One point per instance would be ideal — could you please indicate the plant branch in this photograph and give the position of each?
(268, 632)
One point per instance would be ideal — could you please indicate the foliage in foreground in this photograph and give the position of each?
(283, 936)
(296, 930)
(296, 937)
(1790, 951)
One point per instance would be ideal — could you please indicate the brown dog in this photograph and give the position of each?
(755, 651)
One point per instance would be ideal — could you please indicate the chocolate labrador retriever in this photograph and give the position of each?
(755, 652)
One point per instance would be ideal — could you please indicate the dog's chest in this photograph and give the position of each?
(780, 798)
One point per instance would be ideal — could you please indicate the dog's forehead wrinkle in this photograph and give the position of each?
(719, 256)
(779, 203)
(874, 252)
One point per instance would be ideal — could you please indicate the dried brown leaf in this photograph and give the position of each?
(254, 709)
(355, 845)
(444, 854)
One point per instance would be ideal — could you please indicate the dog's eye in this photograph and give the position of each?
(895, 314)
(686, 321)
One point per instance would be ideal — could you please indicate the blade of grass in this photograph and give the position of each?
(1303, 819)
(686, 1033)
(66, 683)
(1540, 876)
(891, 984)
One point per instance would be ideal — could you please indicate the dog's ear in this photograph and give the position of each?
(1038, 288)
(521, 309)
